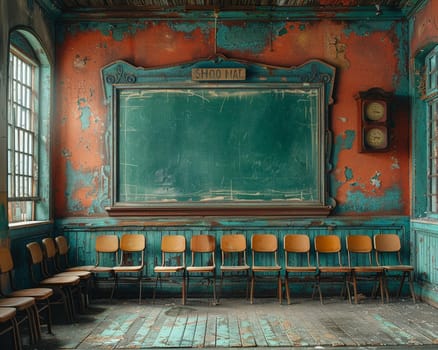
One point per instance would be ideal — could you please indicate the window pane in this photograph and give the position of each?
(21, 135)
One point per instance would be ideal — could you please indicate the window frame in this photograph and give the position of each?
(431, 99)
(24, 43)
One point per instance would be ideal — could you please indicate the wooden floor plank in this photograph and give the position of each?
(189, 331)
(201, 326)
(235, 323)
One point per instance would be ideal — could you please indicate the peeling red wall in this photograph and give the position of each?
(365, 56)
(425, 27)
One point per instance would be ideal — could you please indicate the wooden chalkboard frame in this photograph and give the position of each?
(315, 74)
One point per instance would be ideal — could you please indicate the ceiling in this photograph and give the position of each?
(136, 7)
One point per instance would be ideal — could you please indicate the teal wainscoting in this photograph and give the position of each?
(82, 234)
(424, 238)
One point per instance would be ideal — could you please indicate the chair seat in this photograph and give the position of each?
(398, 268)
(234, 268)
(80, 274)
(301, 268)
(20, 303)
(80, 268)
(102, 269)
(334, 269)
(164, 269)
(37, 293)
(370, 269)
(200, 268)
(266, 268)
(61, 280)
(7, 313)
(135, 268)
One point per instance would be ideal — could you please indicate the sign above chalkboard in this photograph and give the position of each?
(211, 74)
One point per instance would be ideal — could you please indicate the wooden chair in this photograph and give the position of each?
(203, 246)
(63, 286)
(9, 323)
(54, 270)
(42, 295)
(233, 259)
(173, 262)
(357, 246)
(266, 245)
(388, 246)
(330, 245)
(132, 247)
(26, 311)
(63, 263)
(301, 271)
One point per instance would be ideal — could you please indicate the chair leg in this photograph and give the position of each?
(155, 287)
(183, 289)
(402, 281)
(251, 294)
(286, 287)
(347, 286)
(411, 286)
(16, 334)
(214, 289)
(140, 289)
(355, 287)
(279, 289)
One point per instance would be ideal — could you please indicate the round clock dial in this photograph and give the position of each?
(376, 138)
(375, 110)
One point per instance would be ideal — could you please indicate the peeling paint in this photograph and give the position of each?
(375, 180)
(253, 37)
(348, 172)
(94, 185)
(189, 27)
(362, 28)
(85, 113)
(80, 62)
(359, 202)
(395, 163)
(343, 142)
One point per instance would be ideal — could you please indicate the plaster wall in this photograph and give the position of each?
(365, 53)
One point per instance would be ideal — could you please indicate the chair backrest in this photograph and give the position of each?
(62, 245)
(173, 244)
(330, 244)
(387, 243)
(6, 261)
(107, 244)
(36, 261)
(35, 253)
(264, 243)
(358, 244)
(297, 244)
(132, 242)
(49, 247)
(233, 243)
(203, 244)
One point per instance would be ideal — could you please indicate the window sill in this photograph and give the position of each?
(18, 225)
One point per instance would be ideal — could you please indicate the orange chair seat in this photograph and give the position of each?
(37, 293)
(164, 269)
(7, 313)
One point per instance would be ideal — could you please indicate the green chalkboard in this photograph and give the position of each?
(223, 143)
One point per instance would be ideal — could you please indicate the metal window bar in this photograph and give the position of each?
(22, 174)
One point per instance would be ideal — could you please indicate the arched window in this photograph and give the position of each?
(28, 130)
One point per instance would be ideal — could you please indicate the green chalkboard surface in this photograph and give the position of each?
(218, 144)
(233, 146)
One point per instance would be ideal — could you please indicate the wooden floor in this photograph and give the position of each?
(306, 323)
